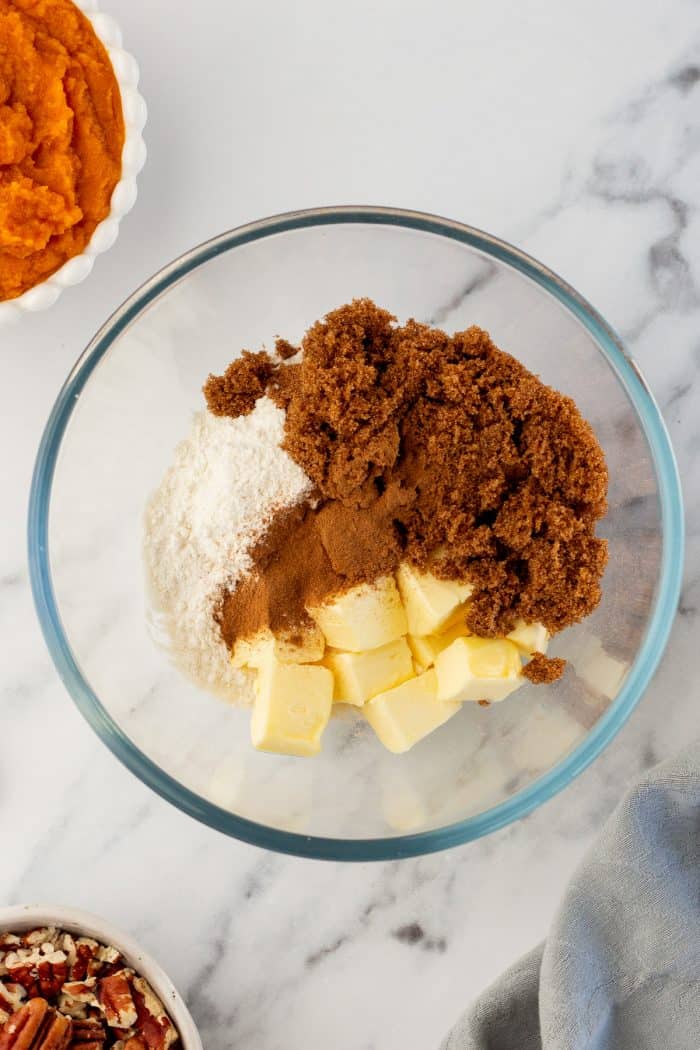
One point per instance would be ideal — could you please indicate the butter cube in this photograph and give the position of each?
(530, 637)
(292, 707)
(360, 676)
(404, 715)
(478, 669)
(430, 603)
(305, 646)
(426, 647)
(365, 617)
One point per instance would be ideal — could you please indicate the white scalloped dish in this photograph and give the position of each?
(22, 918)
(76, 269)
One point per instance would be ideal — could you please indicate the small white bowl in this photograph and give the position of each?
(126, 71)
(23, 917)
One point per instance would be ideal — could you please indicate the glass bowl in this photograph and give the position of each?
(112, 433)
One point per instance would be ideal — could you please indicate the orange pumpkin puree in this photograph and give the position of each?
(61, 138)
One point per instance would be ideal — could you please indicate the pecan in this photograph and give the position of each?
(22, 972)
(108, 956)
(23, 1027)
(88, 1034)
(36, 1026)
(71, 1007)
(52, 972)
(55, 1033)
(11, 996)
(116, 999)
(8, 940)
(82, 991)
(154, 1026)
(35, 938)
(86, 963)
(41, 970)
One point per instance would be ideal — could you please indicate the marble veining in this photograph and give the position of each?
(571, 130)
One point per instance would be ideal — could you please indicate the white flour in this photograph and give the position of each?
(228, 478)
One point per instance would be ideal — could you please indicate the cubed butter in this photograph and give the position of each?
(478, 669)
(364, 617)
(292, 706)
(430, 603)
(530, 637)
(426, 647)
(304, 646)
(360, 676)
(404, 715)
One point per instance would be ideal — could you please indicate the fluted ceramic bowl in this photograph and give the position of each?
(44, 294)
(111, 436)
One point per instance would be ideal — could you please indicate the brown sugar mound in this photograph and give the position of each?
(236, 391)
(420, 443)
(543, 669)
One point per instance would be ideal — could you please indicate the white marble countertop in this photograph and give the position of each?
(571, 129)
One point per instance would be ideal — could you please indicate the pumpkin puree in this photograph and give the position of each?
(61, 138)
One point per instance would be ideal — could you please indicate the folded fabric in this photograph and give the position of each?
(620, 969)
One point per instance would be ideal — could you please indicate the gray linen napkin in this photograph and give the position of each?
(620, 969)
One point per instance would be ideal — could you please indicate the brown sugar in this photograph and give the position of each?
(244, 381)
(543, 669)
(417, 443)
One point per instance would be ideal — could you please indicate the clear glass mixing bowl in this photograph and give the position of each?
(111, 436)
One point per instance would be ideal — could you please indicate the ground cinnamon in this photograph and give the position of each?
(442, 450)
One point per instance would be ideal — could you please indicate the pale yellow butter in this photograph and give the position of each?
(360, 676)
(430, 603)
(365, 617)
(404, 715)
(426, 647)
(530, 637)
(478, 669)
(307, 648)
(292, 707)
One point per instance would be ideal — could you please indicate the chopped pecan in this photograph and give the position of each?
(23, 972)
(52, 971)
(116, 999)
(80, 995)
(41, 970)
(11, 996)
(23, 1027)
(55, 1033)
(43, 935)
(67, 945)
(88, 1034)
(154, 1026)
(82, 991)
(86, 963)
(36, 1026)
(71, 1007)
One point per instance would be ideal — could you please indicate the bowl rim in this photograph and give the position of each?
(20, 917)
(555, 779)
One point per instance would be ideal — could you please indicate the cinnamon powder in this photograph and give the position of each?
(441, 450)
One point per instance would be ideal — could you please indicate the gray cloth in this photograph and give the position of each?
(620, 969)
